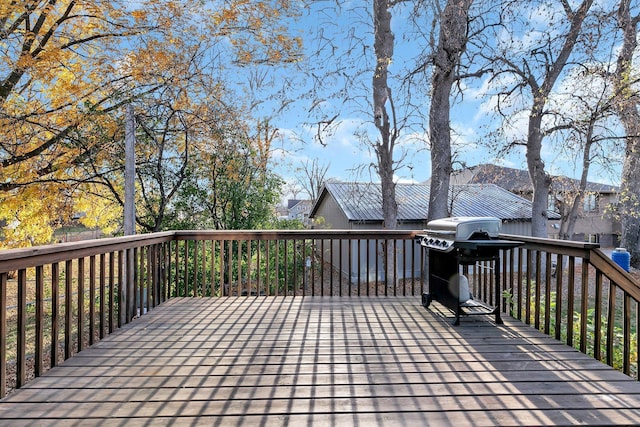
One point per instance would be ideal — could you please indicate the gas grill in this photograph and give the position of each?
(452, 244)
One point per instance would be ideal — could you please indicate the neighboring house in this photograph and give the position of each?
(282, 212)
(593, 224)
(356, 206)
(348, 205)
(299, 209)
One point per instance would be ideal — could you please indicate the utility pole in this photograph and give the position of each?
(129, 172)
(127, 298)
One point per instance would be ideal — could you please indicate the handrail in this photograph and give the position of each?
(15, 259)
(316, 234)
(615, 273)
(568, 247)
(576, 293)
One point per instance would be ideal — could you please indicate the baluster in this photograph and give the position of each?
(626, 330)
(92, 299)
(611, 319)
(68, 298)
(55, 312)
(3, 334)
(80, 315)
(584, 306)
(39, 338)
(21, 351)
(559, 296)
(597, 353)
(571, 299)
(547, 294)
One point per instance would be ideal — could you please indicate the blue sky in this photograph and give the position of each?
(341, 146)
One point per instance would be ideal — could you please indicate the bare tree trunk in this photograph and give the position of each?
(627, 110)
(630, 190)
(383, 47)
(451, 44)
(540, 180)
(568, 224)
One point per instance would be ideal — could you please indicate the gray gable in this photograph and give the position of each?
(363, 201)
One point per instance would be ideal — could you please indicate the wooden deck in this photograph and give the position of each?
(323, 361)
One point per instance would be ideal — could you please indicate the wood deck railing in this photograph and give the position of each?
(56, 300)
(577, 294)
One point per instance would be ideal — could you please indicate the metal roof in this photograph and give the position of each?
(362, 202)
(518, 181)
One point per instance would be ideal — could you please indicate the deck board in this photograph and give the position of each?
(324, 361)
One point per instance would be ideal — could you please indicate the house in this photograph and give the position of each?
(593, 223)
(295, 209)
(354, 206)
(299, 209)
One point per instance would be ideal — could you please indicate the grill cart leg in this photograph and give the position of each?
(426, 300)
(456, 322)
(498, 292)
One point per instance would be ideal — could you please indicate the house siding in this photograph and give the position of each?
(594, 226)
(333, 216)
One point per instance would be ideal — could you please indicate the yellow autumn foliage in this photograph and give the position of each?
(99, 212)
(32, 214)
(66, 69)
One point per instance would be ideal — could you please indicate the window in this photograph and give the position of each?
(590, 202)
(553, 203)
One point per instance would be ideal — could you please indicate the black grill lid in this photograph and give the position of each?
(464, 227)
